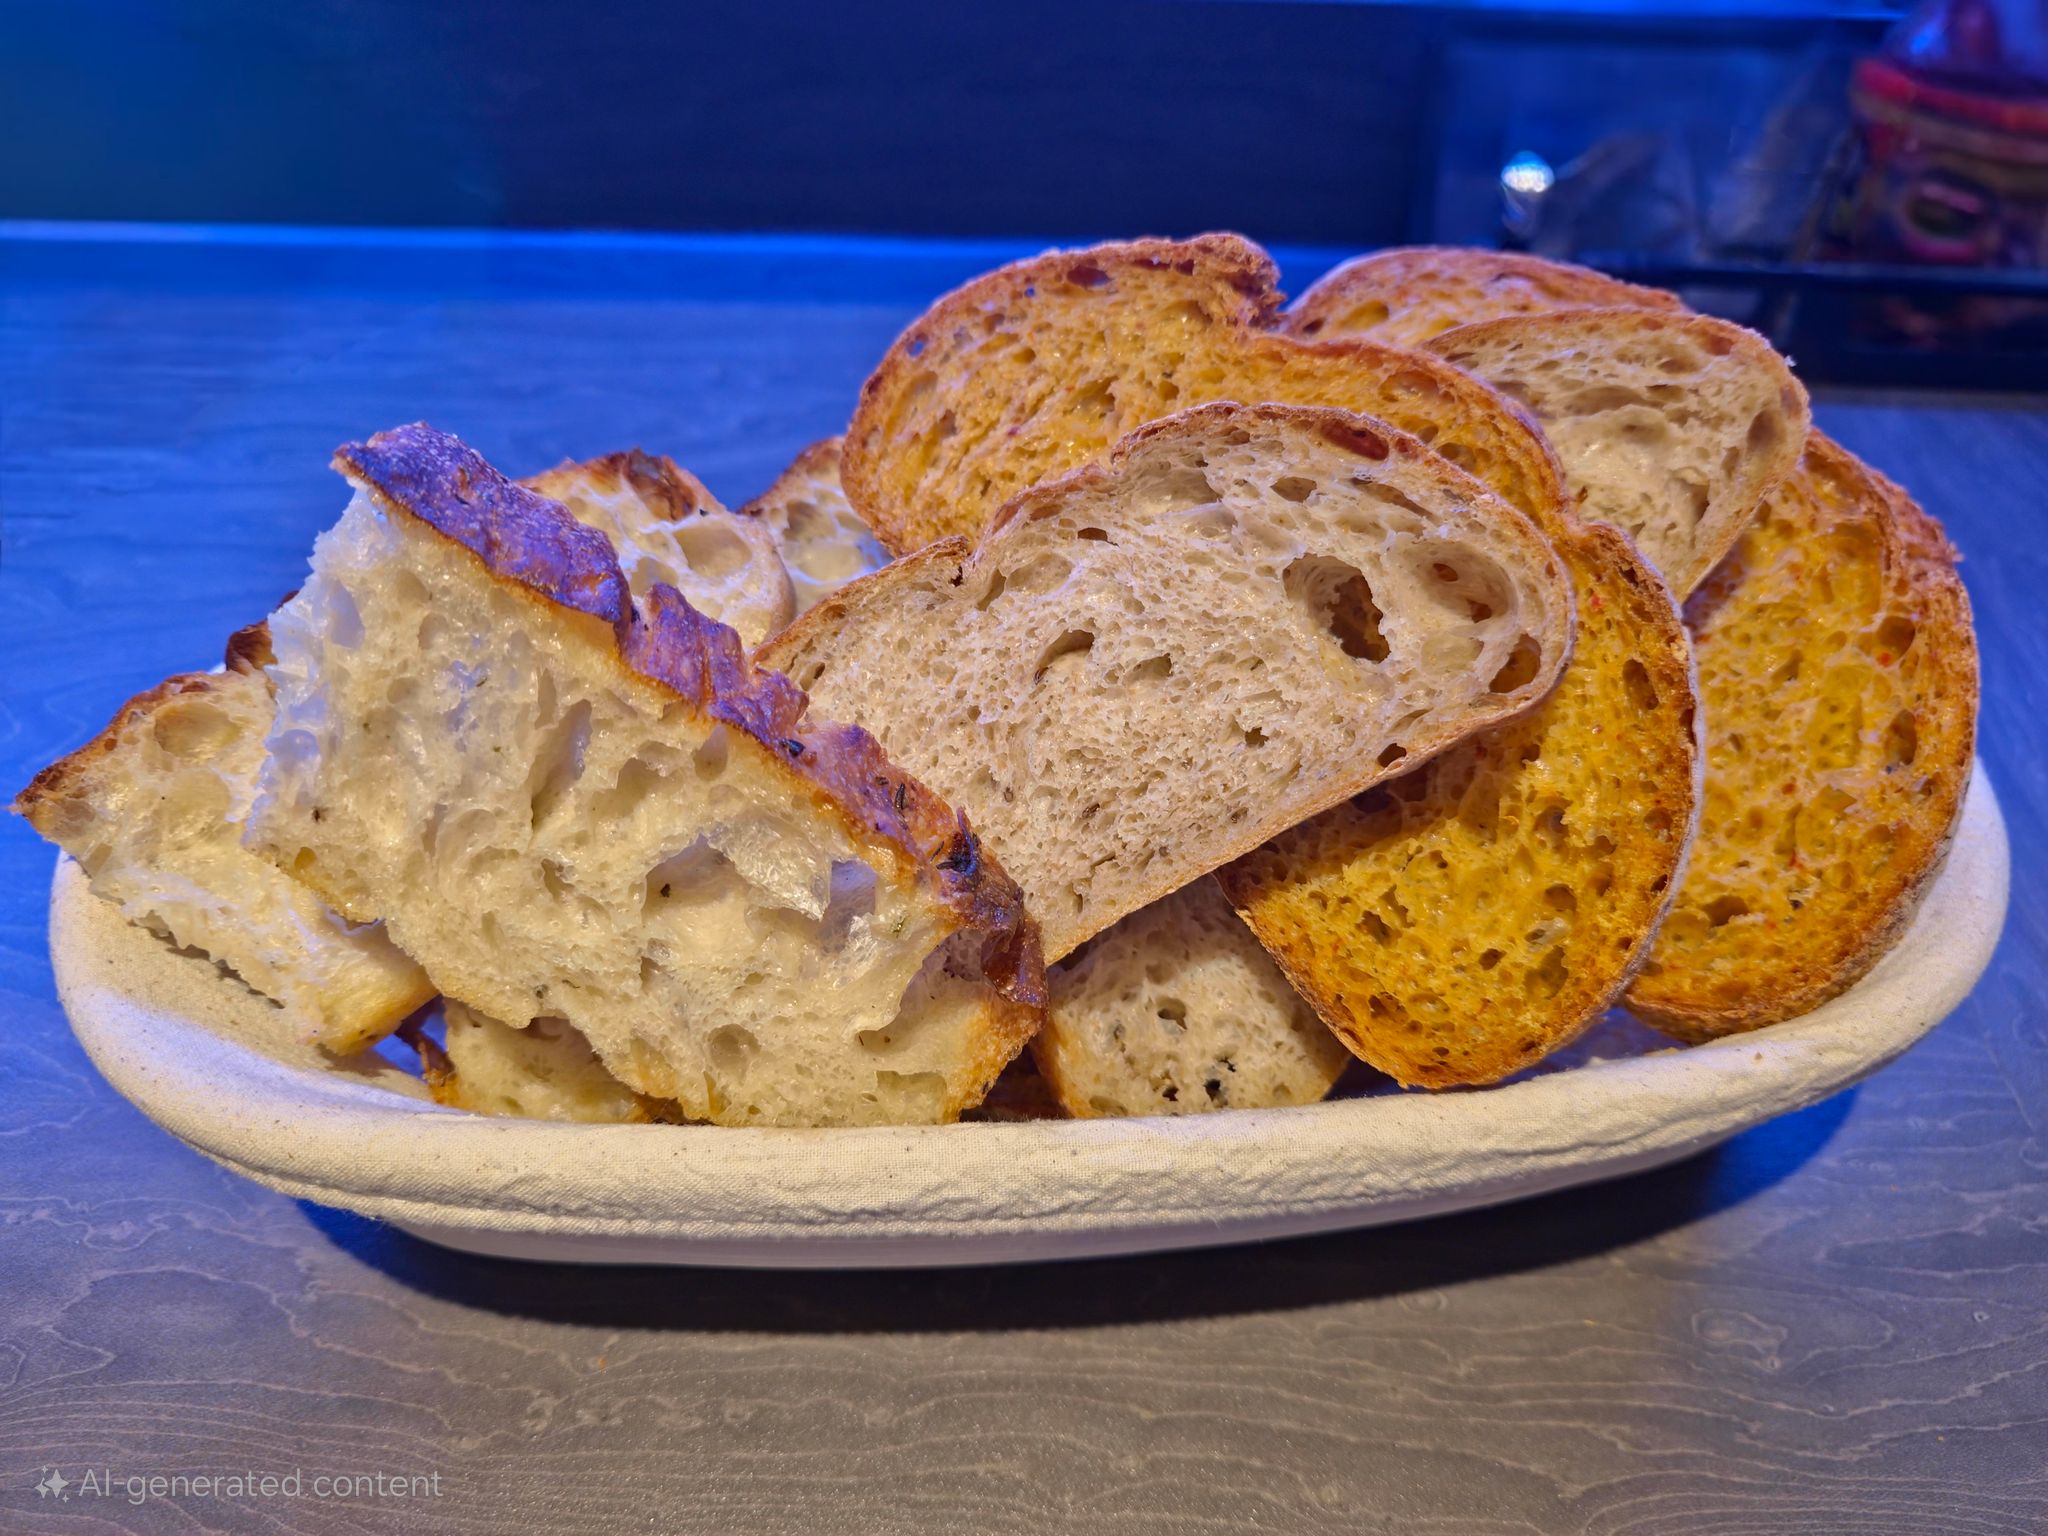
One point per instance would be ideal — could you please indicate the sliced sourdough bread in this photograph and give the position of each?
(667, 528)
(1838, 665)
(823, 541)
(1466, 919)
(1150, 666)
(1177, 1010)
(153, 809)
(570, 806)
(1034, 370)
(1672, 427)
(545, 1070)
(1407, 295)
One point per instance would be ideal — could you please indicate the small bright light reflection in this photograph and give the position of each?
(1528, 175)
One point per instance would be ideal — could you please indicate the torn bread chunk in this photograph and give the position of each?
(823, 541)
(153, 808)
(1176, 1011)
(1247, 614)
(564, 804)
(668, 528)
(545, 1070)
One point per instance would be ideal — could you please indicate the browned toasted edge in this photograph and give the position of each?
(658, 479)
(1727, 337)
(248, 650)
(1235, 261)
(1395, 266)
(1345, 430)
(1668, 657)
(534, 546)
(1915, 539)
(820, 461)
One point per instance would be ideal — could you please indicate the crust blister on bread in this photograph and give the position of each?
(1037, 368)
(1287, 601)
(549, 794)
(1838, 665)
(1409, 294)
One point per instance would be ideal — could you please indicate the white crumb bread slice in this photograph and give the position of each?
(543, 1071)
(152, 808)
(1153, 664)
(1177, 1010)
(666, 527)
(823, 540)
(570, 806)
(1669, 426)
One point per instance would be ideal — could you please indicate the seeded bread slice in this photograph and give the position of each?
(1469, 918)
(153, 808)
(668, 528)
(1672, 427)
(1246, 614)
(823, 541)
(1838, 663)
(1408, 295)
(1177, 1010)
(1035, 369)
(567, 805)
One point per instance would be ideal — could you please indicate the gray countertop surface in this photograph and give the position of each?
(1837, 1323)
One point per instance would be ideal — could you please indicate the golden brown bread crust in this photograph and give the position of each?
(1838, 664)
(1002, 421)
(534, 546)
(659, 480)
(1409, 294)
(1466, 920)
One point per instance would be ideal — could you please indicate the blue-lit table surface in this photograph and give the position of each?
(1837, 1323)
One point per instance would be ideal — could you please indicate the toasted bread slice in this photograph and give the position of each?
(823, 541)
(1033, 370)
(1407, 295)
(1177, 1010)
(153, 807)
(1839, 668)
(567, 805)
(668, 528)
(544, 1070)
(1150, 666)
(1671, 427)
(1469, 918)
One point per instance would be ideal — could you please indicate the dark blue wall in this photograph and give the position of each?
(1301, 122)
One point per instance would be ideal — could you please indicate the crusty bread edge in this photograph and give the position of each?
(1919, 542)
(1239, 262)
(1336, 287)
